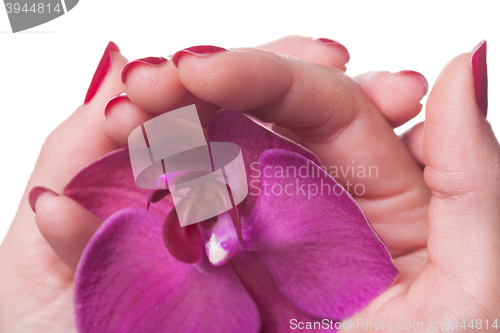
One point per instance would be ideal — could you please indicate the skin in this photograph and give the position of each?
(440, 224)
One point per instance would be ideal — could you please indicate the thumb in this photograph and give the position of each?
(72, 145)
(462, 159)
(79, 139)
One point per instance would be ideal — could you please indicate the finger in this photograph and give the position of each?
(414, 141)
(321, 51)
(332, 116)
(121, 117)
(462, 158)
(152, 83)
(65, 224)
(281, 90)
(153, 86)
(397, 96)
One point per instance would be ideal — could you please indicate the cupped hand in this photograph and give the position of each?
(441, 225)
(36, 286)
(452, 285)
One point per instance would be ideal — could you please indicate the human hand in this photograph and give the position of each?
(123, 116)
(36, 286)
(453, 284)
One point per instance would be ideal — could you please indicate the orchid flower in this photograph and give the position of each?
(290, 257)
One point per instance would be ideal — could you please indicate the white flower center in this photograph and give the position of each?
(216, 252)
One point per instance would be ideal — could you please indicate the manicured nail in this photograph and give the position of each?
(35, 194)
(101, 71)
(327, 41)
(417, 75)
(200, 51)
(112, 101)
(480, 74)
(152, 61)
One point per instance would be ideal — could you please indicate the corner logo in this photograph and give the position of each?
(170, 152)
(26, 14)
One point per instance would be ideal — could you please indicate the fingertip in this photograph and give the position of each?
(416, 76)
(136, 64)
(112, 103)
(397, 96)
(107, 67)
(198, 51)
(344, 53)
(414, 141)
(455, 121)
(121, 118)
(35, 193)
(113, 47)
(66, 226)
(156, 88)
(480, 75)
(322, 51)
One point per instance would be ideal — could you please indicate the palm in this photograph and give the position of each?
(44, 290)
(424, 295)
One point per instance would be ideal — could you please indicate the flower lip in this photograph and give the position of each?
(215, 250)
(223, 243)
(183, 243)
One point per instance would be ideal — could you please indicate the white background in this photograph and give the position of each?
(45, 71)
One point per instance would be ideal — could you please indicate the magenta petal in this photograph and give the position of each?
(322, 251)
(275, 309)
(253, 139)
(184, 243)
(107, 185)
(158, 192)
(127, 281)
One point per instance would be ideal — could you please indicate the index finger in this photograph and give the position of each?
(324, 106)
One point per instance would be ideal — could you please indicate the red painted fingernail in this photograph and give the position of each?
(101, 71)
(152, 61)
(422, 78)
(480, 74)
(327, 41)
(112, 101)
(200, 50)
(35, 194)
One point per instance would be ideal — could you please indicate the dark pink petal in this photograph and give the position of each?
(158, 192)
(107, 185)
(253, 139)
(183, 243)
(236, 218)
(275, 309)
(127, 281)
(321, 250)
(156, 195)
